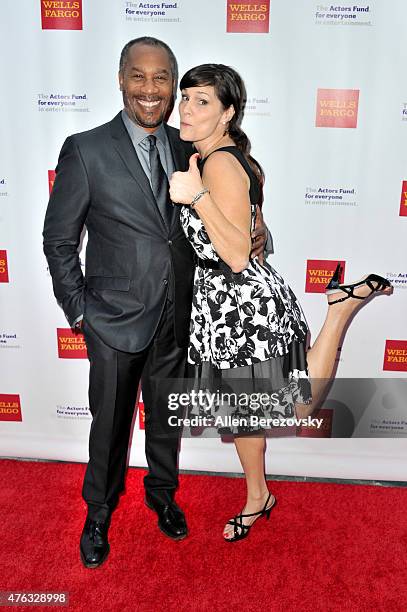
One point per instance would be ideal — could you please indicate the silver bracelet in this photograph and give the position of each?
(198, 197)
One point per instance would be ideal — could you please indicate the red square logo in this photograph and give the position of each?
(320, 272)
(10, 407)
(395, 356)
(247, 16)
(61, 14)
(403, 200)
(141, 413)
(3, 267)
(51, 180)
(337, 108)
(312, 431)
(71, 345)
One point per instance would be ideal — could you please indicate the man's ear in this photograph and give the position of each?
(120, 77)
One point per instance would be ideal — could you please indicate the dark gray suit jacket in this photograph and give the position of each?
(131, 256)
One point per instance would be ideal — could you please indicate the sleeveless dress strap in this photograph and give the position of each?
(255, 190)
(235, 152)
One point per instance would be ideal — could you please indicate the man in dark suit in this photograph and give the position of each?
(134, 301)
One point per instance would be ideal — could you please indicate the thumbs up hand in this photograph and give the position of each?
(185, 185)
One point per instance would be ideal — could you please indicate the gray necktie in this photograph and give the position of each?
(159, 182)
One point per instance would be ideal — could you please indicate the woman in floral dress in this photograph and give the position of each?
(248, 331)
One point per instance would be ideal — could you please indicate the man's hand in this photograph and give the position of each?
(259, 236)
(185, 185)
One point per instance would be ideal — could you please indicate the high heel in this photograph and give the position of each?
(240, 530)
(334, 282)
(335, 287)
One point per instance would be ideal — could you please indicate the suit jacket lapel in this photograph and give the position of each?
(180, 162)
(125, 148)
(177, 150)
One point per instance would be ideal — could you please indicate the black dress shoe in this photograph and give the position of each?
(94, 546)
(171, 519)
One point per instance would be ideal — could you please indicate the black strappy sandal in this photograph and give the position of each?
(334, 286)
(240, 530)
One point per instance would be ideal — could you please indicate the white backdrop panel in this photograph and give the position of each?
(283, 70)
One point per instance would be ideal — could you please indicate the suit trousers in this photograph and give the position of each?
(113, 384)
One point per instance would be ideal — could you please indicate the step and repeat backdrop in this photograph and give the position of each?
(327, 116)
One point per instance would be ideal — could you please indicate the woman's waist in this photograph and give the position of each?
(208, 263)
(254, 268)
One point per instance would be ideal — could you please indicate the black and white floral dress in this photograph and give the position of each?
(248, 332)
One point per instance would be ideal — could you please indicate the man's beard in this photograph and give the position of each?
(141, 120)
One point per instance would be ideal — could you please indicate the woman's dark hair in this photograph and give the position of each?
(230, 90)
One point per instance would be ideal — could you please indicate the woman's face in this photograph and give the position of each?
(202, 114)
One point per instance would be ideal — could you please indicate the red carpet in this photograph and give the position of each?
(327, 547)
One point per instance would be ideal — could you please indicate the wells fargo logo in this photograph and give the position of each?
(403, 200)
(312, 431)
(71, 345)
(337, 108)
(10, 407)
(61, 14)
(3, 267)
(246, 16)
(51, 180)
(395, 355)
(141, 413)
(319, 273)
